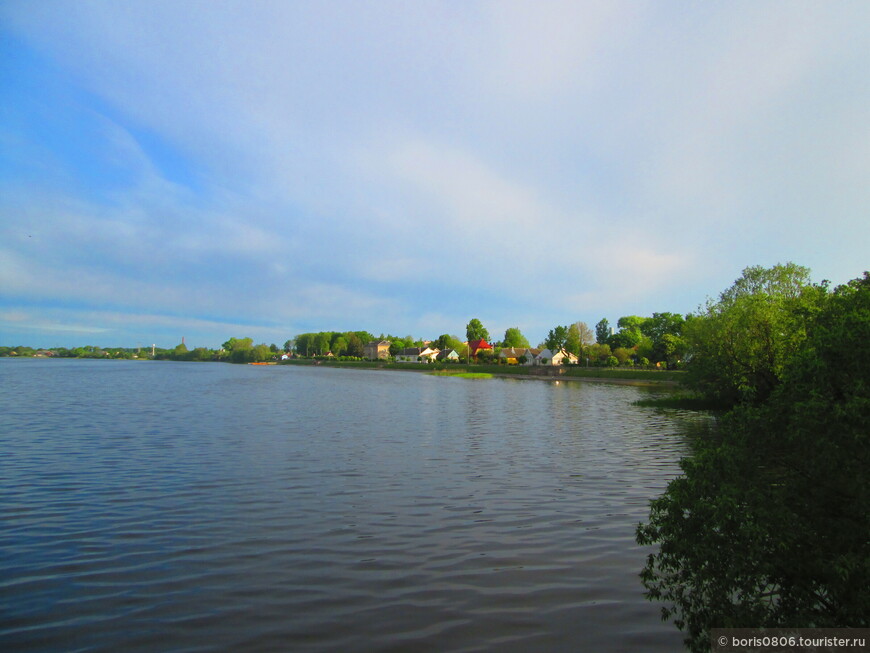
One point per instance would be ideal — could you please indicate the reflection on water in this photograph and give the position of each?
(205, 506)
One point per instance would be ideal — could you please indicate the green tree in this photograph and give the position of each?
(602, 332)
(574, 339)
(202, 354)
(288, 346)
(622, 355)
(354, 345)
(398, 344)
(180, 352)
(303, 343)
(339, 346)
(672, 348)
(260, 353)
(644, 348)
(474, 331)
(446, 341)
(598, 352)
(365, 337)
(513, 337)
(769, 524)
(556, 338)
(629, 334)
(737, 346)
(237, 344)
(657, 327)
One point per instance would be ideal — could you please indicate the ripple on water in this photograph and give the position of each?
(195, 507)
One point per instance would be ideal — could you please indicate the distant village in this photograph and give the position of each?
(644, 342)
(380, 350)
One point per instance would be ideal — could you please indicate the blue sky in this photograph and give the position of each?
(218, 169)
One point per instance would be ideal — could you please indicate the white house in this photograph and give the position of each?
(543, 357)
(449, 355)
(563, 357)
(547, 357)
(416, 355)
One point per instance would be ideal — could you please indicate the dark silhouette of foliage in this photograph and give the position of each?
(769, 524)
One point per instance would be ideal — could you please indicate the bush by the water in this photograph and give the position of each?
(769, 525)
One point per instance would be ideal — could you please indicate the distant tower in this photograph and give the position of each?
(153, 350)
(182, 340)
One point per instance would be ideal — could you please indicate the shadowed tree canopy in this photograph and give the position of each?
(602, 332)
(354, 345)
(555, 340)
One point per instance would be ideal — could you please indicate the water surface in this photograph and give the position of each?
(191, 506)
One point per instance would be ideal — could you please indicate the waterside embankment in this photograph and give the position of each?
(541, 373)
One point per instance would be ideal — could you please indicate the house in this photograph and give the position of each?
(544, 357)
(416, 355)
(448, 355)
(429, 354)
(377, 350)
(563, 357)
(547, 357)
(477, 346)
(512, 355)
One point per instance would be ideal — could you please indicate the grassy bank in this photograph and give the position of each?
(545, 372)
(462, 374)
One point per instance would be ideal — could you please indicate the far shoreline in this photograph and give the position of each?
(663, 378)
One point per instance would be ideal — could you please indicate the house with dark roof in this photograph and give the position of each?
(513, 355)
(416, 355)
(448, 355)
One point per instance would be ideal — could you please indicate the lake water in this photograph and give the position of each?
(198, 506)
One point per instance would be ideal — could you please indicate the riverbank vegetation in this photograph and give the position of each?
(769, 524)
(462, 374)
(566, 371)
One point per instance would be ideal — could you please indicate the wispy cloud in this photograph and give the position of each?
(302, 166)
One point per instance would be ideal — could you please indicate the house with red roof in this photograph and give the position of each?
(477, 346)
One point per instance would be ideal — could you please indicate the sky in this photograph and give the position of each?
(216, 169)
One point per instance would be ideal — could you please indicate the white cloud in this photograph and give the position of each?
(591, 154)
(533, 51)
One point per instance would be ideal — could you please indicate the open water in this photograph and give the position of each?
(210, 507)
